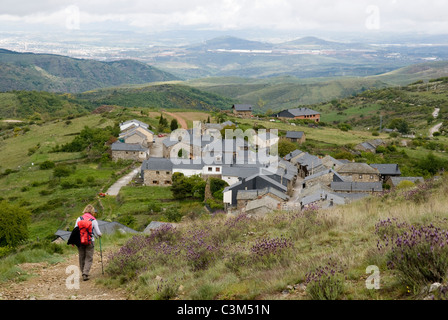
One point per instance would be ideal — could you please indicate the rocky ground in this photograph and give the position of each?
(56, 282)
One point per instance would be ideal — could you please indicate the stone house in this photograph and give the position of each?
(369, 146)
(296, 136)
(243, 110)
(257, 181)
(324, 177)
(356, 187)
(359, 172)
(299, 113)
(387, 170)
(157, 172)
(134, 137)
(262, 206)
(292, 156)
(308, 164)
(129, 151)
(244, 196)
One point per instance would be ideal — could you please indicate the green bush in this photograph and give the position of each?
(14, 222)
(47, 165)
(405, 184)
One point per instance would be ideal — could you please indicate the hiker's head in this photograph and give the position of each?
(90, 209)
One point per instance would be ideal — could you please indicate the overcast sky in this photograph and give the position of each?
(421, 16)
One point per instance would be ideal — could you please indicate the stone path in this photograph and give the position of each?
(123, 181)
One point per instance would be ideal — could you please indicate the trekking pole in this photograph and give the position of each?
(101, 254)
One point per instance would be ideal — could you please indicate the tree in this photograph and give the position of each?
(432, 164)
(400, 124)
(163, 123)
(187, 187)
(285, 147)
(174, 125)
(14, 222)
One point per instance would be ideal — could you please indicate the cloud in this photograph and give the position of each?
(340, 15)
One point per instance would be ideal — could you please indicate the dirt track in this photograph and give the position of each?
(179, 119)
(49, 282)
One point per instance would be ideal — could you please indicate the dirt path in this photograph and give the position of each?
(179, 119)
(434, 129)
(115, 188)
(49, 282)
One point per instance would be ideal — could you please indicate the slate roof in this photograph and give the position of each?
(297, 112)
(254, 194)
(271, 181)
(242, 107)
(323, 172)
(356, 186)
(294, 134)
(397, 180)
(105, 228)
(293, 154)
(140, 123)
(228, 123)
(153, 225)
(131, 133)
(357, 168)
(162, 164)
(387, 169)
(120, 146)
(267, 202)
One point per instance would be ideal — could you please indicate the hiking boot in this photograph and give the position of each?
(85, 277)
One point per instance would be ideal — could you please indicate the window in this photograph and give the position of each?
(210, 169)
(155, 182)
(167, 172)
(167, 182)
(157, 172)
(218, 169)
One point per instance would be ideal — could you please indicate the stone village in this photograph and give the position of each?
(297, 181)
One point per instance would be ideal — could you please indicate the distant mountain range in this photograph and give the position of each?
(54, 73)
(307, 57)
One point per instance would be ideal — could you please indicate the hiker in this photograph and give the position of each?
(86, 250)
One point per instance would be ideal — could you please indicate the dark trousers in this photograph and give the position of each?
(86, 257)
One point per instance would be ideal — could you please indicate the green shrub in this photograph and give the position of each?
(47, 165)
(14, 222)
(405, 184)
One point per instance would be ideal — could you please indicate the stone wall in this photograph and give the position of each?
(157, 178)
(359, 177)
(129, 155)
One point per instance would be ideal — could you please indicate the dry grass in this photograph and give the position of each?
(345, 234)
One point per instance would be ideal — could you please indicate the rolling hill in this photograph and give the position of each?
(54, 73)
(284, 92)
(160, 96)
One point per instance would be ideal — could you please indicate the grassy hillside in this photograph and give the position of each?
(415, 103)
(407, 75)
(39, 105)
(284, 92)
(308, 255)
(161, 96)
(54, 73)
